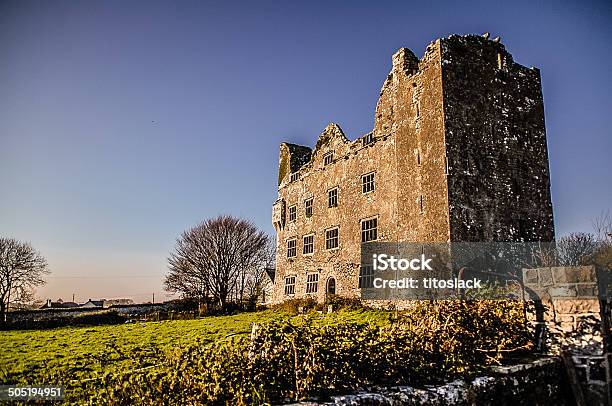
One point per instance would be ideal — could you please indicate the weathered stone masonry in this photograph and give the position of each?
(458, 152)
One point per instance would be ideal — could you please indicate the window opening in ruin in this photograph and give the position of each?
(366, 276)
(290, 285)
(308, 244)
(292, 213)
(328, 158)
(369, 230)
(331, 238)
(308, 207)
(292, 248)
(332, 197)
(367, 183)
(312, 283)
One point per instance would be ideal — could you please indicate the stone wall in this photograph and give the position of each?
(572, 320)
(499, 181)
(31, 318)
(411, 107)
(537, 383)
(47, 314)
(351, 160)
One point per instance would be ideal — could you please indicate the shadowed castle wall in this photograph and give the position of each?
(498, 179)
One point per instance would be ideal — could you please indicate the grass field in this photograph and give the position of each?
(79, 353)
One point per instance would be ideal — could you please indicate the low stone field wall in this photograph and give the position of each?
(539, 382)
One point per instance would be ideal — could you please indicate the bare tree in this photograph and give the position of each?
(545, 254)
(580, 248)
(603, 231)
(21, 269)
(576, 249)
(602, 225)
(258, 284)
(213, 259)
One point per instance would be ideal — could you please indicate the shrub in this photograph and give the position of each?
(98, 318)
(292, 306)
(343, 302)
(429, 343)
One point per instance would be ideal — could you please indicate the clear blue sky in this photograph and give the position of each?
(124, 123)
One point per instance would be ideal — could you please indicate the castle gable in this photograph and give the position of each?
(332, 139)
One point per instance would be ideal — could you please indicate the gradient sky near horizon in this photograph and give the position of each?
(124, 123)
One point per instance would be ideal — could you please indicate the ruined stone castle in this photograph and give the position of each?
(458, 153)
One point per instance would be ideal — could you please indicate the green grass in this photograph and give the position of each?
(77, 353)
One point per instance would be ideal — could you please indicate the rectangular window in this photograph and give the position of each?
(294, 177)
(290, 285)
(368, 139)
(369, 230)
(328, 158)
(308, 207)
(332, 197)
(421, 205)
(308, 244)
(331, 238)
(312, 283)
(366, 277)
(367, 183)
(292, 248)
(292, 213)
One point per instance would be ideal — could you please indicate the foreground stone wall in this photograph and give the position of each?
(572, 320)
(537, 383)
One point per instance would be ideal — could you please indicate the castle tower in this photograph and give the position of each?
(458, 153)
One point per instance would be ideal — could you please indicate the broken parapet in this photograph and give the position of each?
(405, 61)
(292, 158)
